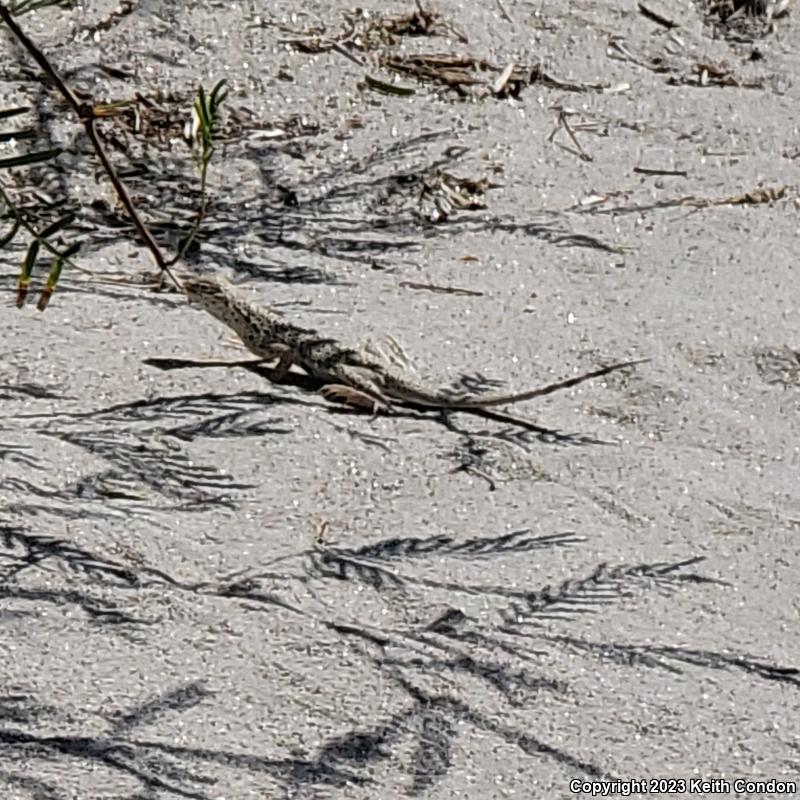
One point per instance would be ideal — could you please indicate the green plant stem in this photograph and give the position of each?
(198, 219)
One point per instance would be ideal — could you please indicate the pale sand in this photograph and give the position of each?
(232, 660)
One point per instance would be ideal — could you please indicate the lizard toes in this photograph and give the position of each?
(339, 393)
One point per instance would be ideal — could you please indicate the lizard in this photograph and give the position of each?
(347, 375)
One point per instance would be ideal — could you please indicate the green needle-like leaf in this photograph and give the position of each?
(23, 6)
(30, 260)
(28, 133)
(54, 275)
(7, 237)
(58, 264)
(13, 112)
(29, 158)
(58, 225)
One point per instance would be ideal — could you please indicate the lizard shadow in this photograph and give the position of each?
(520, 430)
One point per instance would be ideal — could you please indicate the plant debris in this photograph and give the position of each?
(442, 192)
(757, 196)
(465, 73)
(430, 287)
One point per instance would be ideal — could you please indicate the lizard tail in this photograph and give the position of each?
(498, 400)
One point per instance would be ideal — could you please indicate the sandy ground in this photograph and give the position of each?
(218, 587)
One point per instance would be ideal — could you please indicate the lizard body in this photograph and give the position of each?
(346, 373)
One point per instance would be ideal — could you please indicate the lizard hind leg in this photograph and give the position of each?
(341, 393)
(356, 387)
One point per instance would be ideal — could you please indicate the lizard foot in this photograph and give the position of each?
(340, 393)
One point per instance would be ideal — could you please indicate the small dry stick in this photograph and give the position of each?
(503, 13)
(564, 123)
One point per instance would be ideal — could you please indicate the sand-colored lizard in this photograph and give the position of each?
(347, 375)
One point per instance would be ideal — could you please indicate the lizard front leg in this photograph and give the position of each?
(285, 361)
(269, 352)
